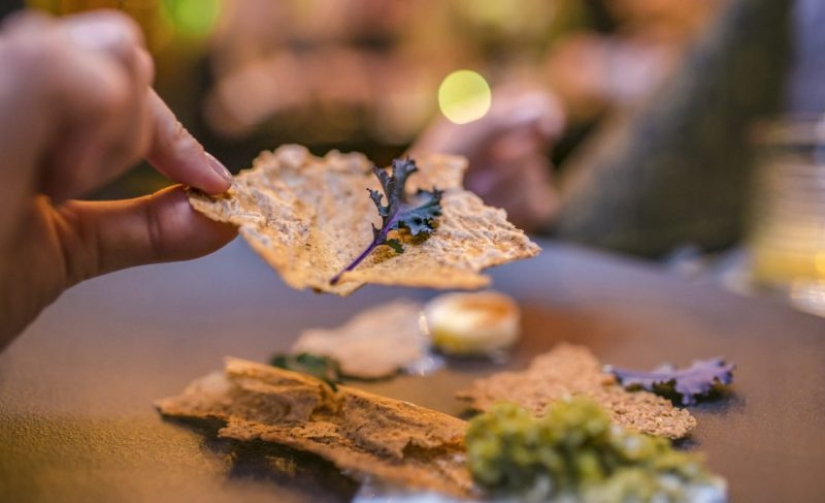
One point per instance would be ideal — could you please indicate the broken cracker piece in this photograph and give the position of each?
(309, 217)
(366, 435)
(570, 370)
(374, 344)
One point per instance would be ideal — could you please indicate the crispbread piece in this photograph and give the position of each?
(570, 370)
(366, 435)
(309, 217)
(374, 344)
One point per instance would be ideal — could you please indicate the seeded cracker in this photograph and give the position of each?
(309, 217)
(570, 370)
(366, 435)
(373, 344)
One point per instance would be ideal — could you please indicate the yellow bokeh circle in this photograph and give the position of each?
(464, 96)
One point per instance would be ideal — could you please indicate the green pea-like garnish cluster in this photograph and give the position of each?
(575, 449)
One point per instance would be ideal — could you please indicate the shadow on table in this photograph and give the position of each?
(307, 476)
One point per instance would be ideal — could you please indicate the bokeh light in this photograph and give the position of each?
(195, 18)
(464, 96)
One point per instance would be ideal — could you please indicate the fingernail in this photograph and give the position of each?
(219, 168)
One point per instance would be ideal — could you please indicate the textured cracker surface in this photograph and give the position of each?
(367, 435)
(569, 370)
(375, 343)
(309, 217)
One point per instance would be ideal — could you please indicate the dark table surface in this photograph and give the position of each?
(77, 424)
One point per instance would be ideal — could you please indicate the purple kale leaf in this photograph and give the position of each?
(698, 380)
(416, 216)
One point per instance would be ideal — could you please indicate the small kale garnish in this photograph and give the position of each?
(324, 368)
(417, 216)
(695, 381)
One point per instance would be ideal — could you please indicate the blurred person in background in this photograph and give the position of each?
(76, 110)
(674, 90)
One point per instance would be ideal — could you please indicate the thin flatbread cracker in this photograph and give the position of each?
(309, 217)
(373, 344)
(570, 370)
(366, 435)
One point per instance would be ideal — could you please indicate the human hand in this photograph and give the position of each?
(506, 149)
(76, 110)
(593, 74)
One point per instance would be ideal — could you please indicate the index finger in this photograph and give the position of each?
(177, 154)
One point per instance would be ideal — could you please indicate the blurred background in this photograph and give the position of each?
(642, 141)
(247, 75)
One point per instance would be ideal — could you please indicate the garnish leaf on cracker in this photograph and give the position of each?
(416, 216)
(695, 381)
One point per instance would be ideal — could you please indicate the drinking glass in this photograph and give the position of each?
(787, 241)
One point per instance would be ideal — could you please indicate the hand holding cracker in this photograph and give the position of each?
(77, 111)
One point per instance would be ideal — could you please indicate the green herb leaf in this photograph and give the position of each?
(324, 368)
(417, 216)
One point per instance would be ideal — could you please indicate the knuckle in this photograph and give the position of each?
(109, 33)
(131, 31)
(133, 39)
(34, 56)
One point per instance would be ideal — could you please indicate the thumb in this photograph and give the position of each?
(114, 235)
